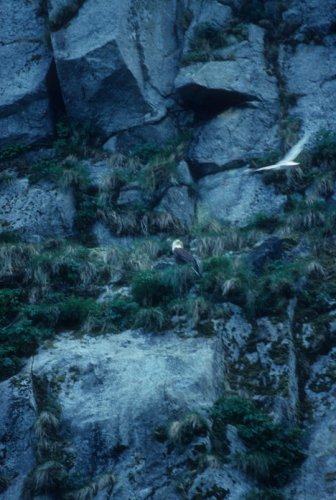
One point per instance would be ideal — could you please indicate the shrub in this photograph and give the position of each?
(75, 310)
(324, 148)
(150, 289)
(46, 170)
(9, 304)
(183, 431)
(207, 38)
(265, 222)
(150, 318)
(273, 452)
(11, 151)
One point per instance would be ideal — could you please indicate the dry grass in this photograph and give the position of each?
(15, 257)
(47, 477)
(182, 431)
(325, 185)
(315, 269)
(198, 308)
(46, 425)
(231, 285)
(89, 492)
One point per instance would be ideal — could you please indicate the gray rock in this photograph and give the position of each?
(116, 62)
(17, 417)
(313, 17)
(183, 174)
(210, 12)
(310, 75)
(317, 478)
(231, 139)
(241, 77)
(131, 196)
(25, 115)
(270, 249)
(261, 361)
(320, 388)
(36, 212)
(178, 202)
(157, 134)
(114, 391)
(235, 197)
(225, 482)
(104, 236)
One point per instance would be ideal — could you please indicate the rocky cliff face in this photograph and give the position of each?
(122, 126)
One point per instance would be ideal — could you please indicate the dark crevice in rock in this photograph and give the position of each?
(55, 93)
(210, 102)
(209, 168)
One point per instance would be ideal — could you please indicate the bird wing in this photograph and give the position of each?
(182, 256)
(288, 159)
(296, 149)
(278, 165)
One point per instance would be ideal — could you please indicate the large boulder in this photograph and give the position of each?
(310, 77)
(178, 202)
(117, 62)
(17, 418)
(236, 196)
(317, 477)
(114, 392)
(232, 139)
(239, 77)
(36, 212)
(25, 115)
(237, 134)
(311, 21)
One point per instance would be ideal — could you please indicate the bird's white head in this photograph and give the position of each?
(177, 244)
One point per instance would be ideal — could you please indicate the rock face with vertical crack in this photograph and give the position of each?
(25, 115)
(117, 62)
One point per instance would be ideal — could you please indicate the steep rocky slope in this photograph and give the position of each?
(124, 125)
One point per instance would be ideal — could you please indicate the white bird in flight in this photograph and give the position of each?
(288, 159)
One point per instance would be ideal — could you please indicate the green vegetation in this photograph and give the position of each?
(272, 452)
(11, 151)
(265, 494)
(54, 460)
(208, 38)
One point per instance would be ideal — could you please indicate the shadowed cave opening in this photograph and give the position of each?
(207, 103)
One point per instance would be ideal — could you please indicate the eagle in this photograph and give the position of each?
(288, 159)
(182, 256)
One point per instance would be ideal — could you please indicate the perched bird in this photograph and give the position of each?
(182, 256)
(288, 159)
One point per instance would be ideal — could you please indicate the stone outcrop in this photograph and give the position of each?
(129, 69)
(25, 111)
(36, 212)
(236, 197)
(115, 391)
(232, 139)
(310, 75)
(117, 61)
